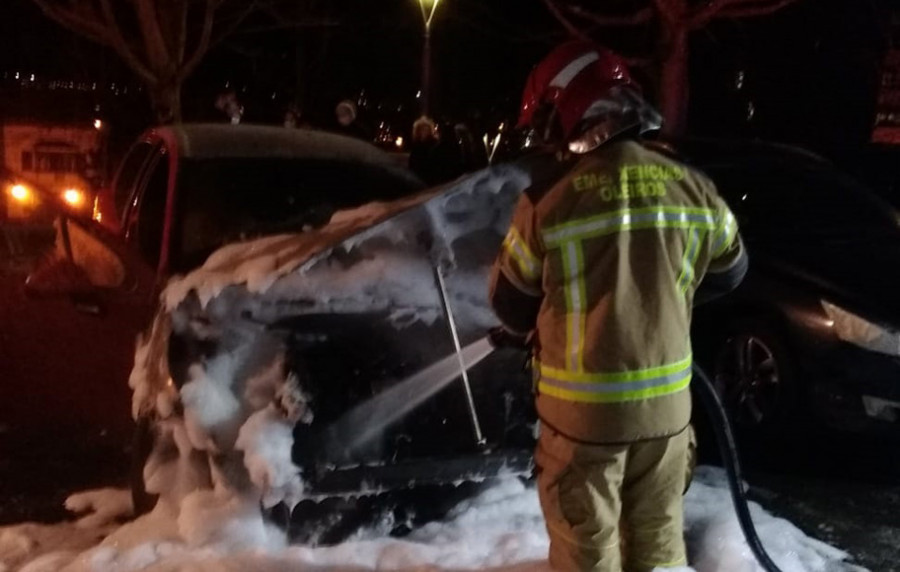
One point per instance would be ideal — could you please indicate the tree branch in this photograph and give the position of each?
(101, 28)
(232, 26)
(180, 34)
(154, 43)
(120, 45)
(753, 8)
(209, 14)
(671, 11)
(701, 16)
(566, 23)
(636, 18)
(70, 19)
(319, 23)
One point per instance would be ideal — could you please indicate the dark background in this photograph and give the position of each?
(810, 73)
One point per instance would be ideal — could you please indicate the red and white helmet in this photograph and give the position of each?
(575, 78)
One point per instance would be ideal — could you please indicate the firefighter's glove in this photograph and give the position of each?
(501, 338)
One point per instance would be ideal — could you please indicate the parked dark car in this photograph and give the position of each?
(813, 333)
(69, 331)
(363, 321)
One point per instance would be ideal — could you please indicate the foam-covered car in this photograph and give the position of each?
(348, 359)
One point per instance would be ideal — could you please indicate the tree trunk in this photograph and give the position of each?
(674, 81)
(165, 98)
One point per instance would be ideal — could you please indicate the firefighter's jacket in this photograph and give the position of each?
(604, 262)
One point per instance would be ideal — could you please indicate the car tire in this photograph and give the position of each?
(141, 446)
(755, 376)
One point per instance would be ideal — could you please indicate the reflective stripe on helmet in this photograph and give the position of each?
(568, 73)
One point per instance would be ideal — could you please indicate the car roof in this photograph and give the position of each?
(216, 140)
(705, 151)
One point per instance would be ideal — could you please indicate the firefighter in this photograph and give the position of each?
(601, 268)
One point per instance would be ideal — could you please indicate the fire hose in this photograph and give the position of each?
(712, 404)
(725, 440)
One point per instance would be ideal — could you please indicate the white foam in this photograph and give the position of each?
(500, 529)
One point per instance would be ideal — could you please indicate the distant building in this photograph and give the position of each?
(887, 114)
(59, 158)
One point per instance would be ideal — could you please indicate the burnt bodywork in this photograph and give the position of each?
(357, 311)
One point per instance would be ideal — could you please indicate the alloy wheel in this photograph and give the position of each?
(749, 380)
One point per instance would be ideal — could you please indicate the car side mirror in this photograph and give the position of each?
(56, 277)
(79, 264)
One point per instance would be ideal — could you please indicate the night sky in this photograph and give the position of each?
(810, 73)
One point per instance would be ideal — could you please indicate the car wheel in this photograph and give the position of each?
(754, 378)
(141, 446)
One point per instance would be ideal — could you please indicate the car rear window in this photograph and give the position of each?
(226, 199)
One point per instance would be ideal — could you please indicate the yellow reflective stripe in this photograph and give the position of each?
(689, 263)
(533, 260)
(613, 377)
(672, 564)
(725, 233)
(554, 390)
(692, 240)
(582, 316)
(575, 295)
(516, 248)
(630, 219)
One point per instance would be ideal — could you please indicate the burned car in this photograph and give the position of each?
(344, 359)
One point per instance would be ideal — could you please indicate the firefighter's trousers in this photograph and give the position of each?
(614, 507)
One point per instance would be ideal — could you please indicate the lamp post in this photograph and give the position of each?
(428, 8)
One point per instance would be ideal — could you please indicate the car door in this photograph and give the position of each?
(68, 345)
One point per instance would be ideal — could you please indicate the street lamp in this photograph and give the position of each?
(428, 8)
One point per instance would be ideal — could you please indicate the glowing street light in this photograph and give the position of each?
(19, 192)
(428, 8)
(74, 197)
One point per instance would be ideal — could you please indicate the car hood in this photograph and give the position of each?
(259, 263)
(454, 212)
(860, 272)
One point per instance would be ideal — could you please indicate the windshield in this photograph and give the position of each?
(226, 199)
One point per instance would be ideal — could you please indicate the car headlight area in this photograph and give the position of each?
(860, 332)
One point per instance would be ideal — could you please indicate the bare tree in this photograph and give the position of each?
(675, 20)
(161, 41)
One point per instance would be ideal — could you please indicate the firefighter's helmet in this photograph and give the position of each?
(579, 82)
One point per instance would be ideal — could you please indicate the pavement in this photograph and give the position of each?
(840, 489)
(38, 473)
(860, 517)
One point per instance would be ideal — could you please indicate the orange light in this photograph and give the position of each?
(95, 213)
(19, 192)
(399, 142)
(74, 197)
